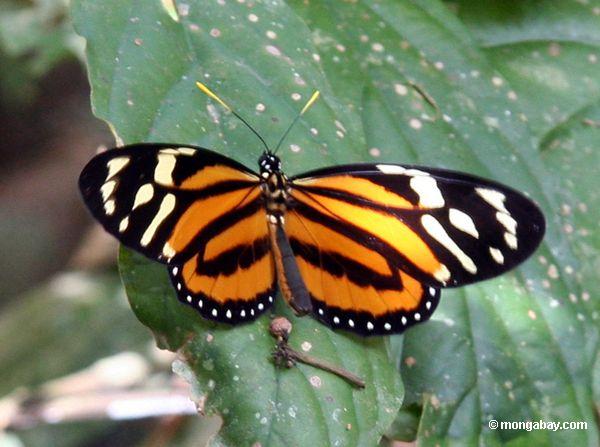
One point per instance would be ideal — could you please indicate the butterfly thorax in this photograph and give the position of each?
(274, 184)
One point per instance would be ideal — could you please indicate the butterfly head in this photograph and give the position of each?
(269, 164)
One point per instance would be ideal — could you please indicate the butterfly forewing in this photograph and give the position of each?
(195, 210)
(443, 228)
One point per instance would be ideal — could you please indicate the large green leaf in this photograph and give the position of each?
(232, 371)
(402, 81)
(536, 361)
(143, 72)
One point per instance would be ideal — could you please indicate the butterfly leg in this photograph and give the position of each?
(288, 274)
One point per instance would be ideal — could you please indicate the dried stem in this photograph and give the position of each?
(284, 355)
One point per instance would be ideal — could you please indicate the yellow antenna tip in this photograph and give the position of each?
(208, 92)
(310, 102)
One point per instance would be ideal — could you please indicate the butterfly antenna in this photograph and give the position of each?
(309, 103)
(211, 95)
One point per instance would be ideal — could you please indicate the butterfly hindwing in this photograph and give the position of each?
(443, 228)
(195, 210)
(232, 279)
(351, 285)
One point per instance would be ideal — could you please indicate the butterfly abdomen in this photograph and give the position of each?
(290, 280)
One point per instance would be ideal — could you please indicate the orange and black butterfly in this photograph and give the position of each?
(361, 247)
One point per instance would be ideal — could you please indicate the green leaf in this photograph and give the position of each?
(143, 73)
(531, 349)
(231, 369)
(400, 81)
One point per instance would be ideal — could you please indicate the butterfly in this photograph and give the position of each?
(361, 247)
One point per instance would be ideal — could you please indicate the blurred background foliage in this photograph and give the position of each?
(35, 37)
(64, 320)
(70, 339)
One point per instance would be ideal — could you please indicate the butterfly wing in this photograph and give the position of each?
(351, 285)
(422, 228)
(195, 210)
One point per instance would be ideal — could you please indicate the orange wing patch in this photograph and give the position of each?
(204, 212)
(353, 286)
(377, 224)
(358, 187)
(232, 278)
(212, 175)
(342, 293)
(310, 232)
(243, 284)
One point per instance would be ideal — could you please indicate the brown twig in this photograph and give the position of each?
(285, 355)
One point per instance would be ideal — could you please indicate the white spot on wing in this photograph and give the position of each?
(109, 207)
(143, 195)
(413, 171)
(107, 189)
(497, 255)
(436, 230)
(463, 222)
(507, 221)
(442, 274)
(391, 169)
(115, 166)
(511, 241)
(163, 173)
(124, 224)
(397, 169)
(426, 187)
(167, 205)
(493, 197)
(186, 150)
(168, 251)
